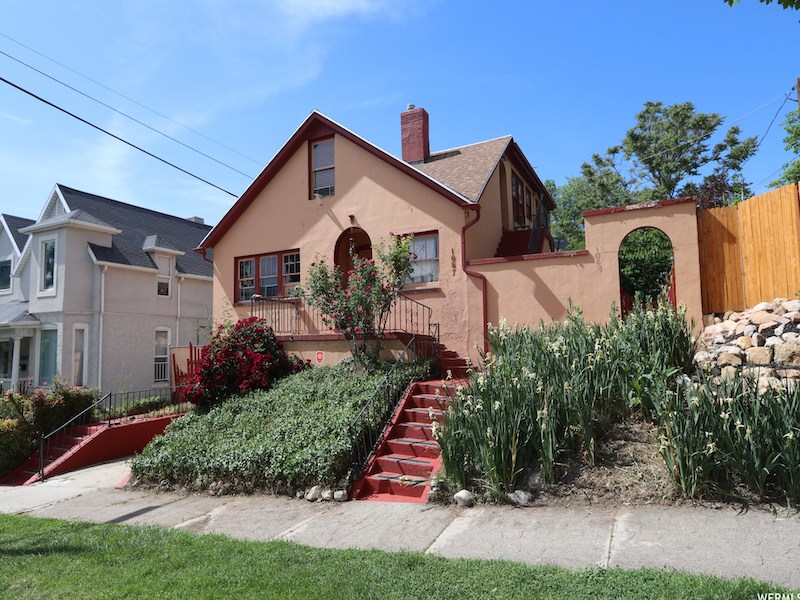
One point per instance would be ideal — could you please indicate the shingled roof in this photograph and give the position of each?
(15, 224)
(137, 224)
(466, 169)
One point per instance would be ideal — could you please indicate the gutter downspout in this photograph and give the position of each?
(100, 332)
(178, 318)
(471, 273)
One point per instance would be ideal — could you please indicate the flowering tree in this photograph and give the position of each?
(360, 309)
(241, 357)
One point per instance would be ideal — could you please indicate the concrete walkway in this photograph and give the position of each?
(720, 542)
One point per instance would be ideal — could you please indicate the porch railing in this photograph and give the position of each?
(112, 409)
(294, 315)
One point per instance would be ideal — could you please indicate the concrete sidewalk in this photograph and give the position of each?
(695, 540)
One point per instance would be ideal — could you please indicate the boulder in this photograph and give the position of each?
(773, 341)
(728, 358)
(744, 342)
(759, 356)
(769, 325)
(769, 383)
(464, 498)
(792, 317)
(750, 329)
(788, 354)
(759, 372)
(788, 373)
(702, 359)
(340, 496)
(758, 339)
(521, 497)
(763, 306)
(791, 337)
(327, 495)
(728, 372)
(314, 494)
(792, 306)
(757, 318)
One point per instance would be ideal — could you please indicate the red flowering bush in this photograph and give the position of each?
(241, 357)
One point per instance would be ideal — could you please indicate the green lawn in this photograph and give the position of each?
(41, 558)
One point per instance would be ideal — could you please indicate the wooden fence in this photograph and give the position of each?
(750, 252)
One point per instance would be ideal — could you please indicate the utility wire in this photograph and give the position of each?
(778, 170)
(127, 116)
(121, 95)
(116, 137)
(758, 145)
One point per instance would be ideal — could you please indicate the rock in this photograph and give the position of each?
(780, 329)
(767, 326)
(728, 316)
(327, 495)
(717, 320)
(703, 358)
(464, 498)
(719, 339)
(791, 337)
(788, 354)
(763, 306)
(750, 329)
(729, 326)
(744, 342)
(759, 356)
(773, 341)
(792, 317)
(314, 494)
(521, 497)
(759, 372)
(788, 373)
(728, 358)
(728, 373)
(740, 327)
(730, 349)
(757, 318)
(792, 306)
(533, 482)
(340, 496)
(769, 383)
(758, 339)
(299, 494)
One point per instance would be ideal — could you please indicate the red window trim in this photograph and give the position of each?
(282, 291)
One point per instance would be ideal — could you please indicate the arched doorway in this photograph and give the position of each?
(353, 242)
(646, 266)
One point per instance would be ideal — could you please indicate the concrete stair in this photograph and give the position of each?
(401, 468)
(85, 445)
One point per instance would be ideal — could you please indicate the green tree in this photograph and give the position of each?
(572, 199)
(668, 147)
(645, 262)
(795, 4)
(791, 173)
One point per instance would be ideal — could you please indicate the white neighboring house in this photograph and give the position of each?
(95, 291)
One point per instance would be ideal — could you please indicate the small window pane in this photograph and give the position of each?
(160, 372)
(5, 275)
(78, 357)
(247, 281)
(323, 154)
(163, 286)
(269, 276)
(48, 265)
(291, 268)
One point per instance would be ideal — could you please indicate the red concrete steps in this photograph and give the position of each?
(402, 466)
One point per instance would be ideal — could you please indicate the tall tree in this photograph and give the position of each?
(791, 173)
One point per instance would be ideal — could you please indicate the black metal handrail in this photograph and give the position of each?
(368, 427)
(112, 409)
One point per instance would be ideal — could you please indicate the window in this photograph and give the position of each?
(161, 372)
(425, 258)
(517, 199)
(528, 204)
(164, 264)
(269, 275)
(5, 275)
(322, 170)
(79, 339)
(48, 265)
(48, 348)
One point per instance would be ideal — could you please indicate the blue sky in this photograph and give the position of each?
(564, 78)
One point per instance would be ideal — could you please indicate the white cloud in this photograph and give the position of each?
(15, 118)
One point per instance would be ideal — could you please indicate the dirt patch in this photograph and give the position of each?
(629, 470)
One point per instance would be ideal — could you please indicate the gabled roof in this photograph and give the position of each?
(15, 312)
(135, 225)
(316, 126)
(466, 169)
(14, 224)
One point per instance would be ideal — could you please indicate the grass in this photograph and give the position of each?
(42, 558)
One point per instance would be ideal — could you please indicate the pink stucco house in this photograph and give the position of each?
(479, 215)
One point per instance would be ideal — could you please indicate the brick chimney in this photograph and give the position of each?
(414, 132)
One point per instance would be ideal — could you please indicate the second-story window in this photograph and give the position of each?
(48, 264)
(5, 275)
(164, 264)
(518, 200)
(323, 174)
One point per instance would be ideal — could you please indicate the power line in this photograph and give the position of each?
(127, 116)
(758, 145)
(778, 170)
(121, 95)
(116, 137)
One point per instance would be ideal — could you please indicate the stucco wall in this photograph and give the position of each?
(380, 199)
(525, 291)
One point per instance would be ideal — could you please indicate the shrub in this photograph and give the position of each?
(241, 357)
(296, 434)
(46, 411)
(16, 443)
(360, 309)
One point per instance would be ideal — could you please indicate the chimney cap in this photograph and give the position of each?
(410, 107)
